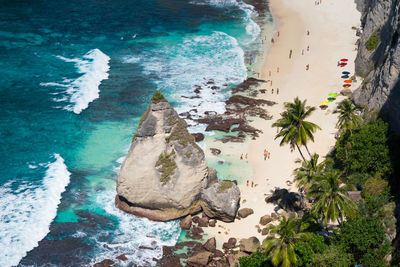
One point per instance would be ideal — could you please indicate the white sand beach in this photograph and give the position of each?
(330, 39)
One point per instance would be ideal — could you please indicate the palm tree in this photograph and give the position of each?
(294, 130)
(330, 200)
(348, 119)
(281, 248)
(308, 171)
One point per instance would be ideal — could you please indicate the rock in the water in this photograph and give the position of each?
(210, 245)
(199, 259)
(165, 175)
(104, 263)
(198, 137)
(215, 151)
(264, 220)
(122, 257)
(186, 223)
(250, 244)
(244, 212)
(170, 262)
(221, 200)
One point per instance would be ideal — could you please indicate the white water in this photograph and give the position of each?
(94, 66)
(27, 212)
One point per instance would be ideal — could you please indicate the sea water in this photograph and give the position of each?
(75, 78)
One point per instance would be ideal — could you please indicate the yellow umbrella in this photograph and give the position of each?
(324, 103)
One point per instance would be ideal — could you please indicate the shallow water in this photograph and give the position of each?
(75, 80)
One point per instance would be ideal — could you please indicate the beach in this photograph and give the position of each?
(319, 35)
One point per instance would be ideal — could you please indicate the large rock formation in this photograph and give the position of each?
(165, 173)
(378, 58)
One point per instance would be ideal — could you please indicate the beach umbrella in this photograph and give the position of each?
(346, 85)
(345, 77)
(344, 59)
(324, 103)
(347, 81)
(342, 65)
(346, 72)
(331, 99)
(332, 94)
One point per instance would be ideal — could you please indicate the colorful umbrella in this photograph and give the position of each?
(346, 72)
(347, 81)
(346, 85)
(333, 94)
(345, 77)
(344, 59)
(342, 65)
(324, 103)
(330, 99)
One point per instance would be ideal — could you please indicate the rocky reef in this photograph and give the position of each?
(378, 58)
(165, 175)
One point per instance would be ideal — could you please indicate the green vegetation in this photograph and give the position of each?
(365, 155)
(179, 133)
(294, 130)
(373, 41)
(366, 151)
(158, 97)
(166, 166)
(348, 118)
(224, 186)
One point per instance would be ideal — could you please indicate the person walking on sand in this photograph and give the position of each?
(270, 83)
(308, 32)
(272, 40)
(272, 91)
(241, 156)
(247, 183)
(308, 48)
(277, 91)
(290, 53)
(269, 154)
(245, 156)
(307, 66)
(302, 51)
(277, 69)
(269, 73)
(278, 33)
(252, 183)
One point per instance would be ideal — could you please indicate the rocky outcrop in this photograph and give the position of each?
(244, 212)
(378, 58)
(250, 244)
(165, 175)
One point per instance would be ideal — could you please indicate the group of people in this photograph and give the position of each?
(266, 154)
(241, 156)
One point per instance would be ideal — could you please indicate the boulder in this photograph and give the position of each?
(122, 257)
(221, 200)
(244, 212)
(264, 231)
(215, 151)
(250, 244)
(210, 245)
(198, 137)
(230, 244)
(203, 222)
(165, 174)
(170, 262)
(264, 220)
(186, 223)
(199, 259)
(212, 222)
(104, 263)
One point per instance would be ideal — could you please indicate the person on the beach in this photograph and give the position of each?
(250, 62)
(245, 156)
(290, 53)
(278, 34)
(307, 66)
(252, 183)
(241, 156)
(272, 40)
(308, 48)
(265, 156)
(308, 32)
(272, 91)
(269, 73)
(247, 183)
(269, 154)
(277, 91)
(277, 69)
(270, 82)
(302, 51)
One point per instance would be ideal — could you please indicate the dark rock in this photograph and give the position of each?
(250, 244)
(186, 223)
(122, 257)
(214, 87)
(264, 220)
(219, 253)
(195, 219)
(243, 100)
(182, 256)
(167, 251)
(262, 91)
(244, 212)
(197, 230)
(215, 151)
(274, 216)
(199, 259)
(144, 247)
(264, 231)
(210, 245)
(104, 263)
(212, 222)
(198, 137)
(203, 222)
(230, 244)
(289, 201)
(170, 262)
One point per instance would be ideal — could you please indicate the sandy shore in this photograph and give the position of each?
(330, 39)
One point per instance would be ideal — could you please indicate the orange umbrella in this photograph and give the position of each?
(346, 85)
(347, 81)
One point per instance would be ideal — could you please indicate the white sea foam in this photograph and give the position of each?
(27, 212)
(94, 67)
(131, 233)
(130, 59)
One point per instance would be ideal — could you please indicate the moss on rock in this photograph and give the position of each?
(224, 186)
(158, 97)
(373, 40)
(166, 166)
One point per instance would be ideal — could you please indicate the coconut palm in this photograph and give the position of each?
(348, 118)
(280, 246)
(308, 171)
(330, 198)
(294, 130)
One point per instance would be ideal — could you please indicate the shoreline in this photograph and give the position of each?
(292, 20)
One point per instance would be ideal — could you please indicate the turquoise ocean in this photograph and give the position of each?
(75, 78)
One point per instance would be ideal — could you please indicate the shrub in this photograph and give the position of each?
(373, 41)
(256, 259)
(375, 185)
(308, 248)
(366, 151)
(158, 97)
(364, 238)
(166, 166)
(334, 256)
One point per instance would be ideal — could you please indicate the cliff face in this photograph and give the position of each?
(378, 58)
(165, 173)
